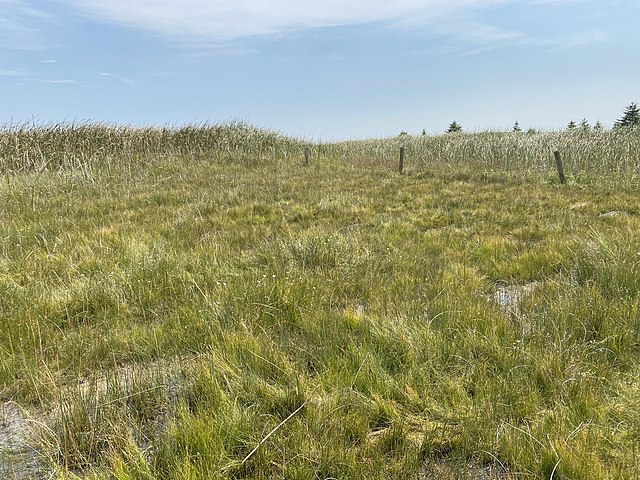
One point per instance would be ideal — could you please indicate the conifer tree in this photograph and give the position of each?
(571, 125)
(598, 127)
(584, 125)
(516, 127)
(630, 118)
(454, 127)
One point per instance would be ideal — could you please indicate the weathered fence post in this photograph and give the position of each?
(401, 166)
(306, 155)
(556, 154)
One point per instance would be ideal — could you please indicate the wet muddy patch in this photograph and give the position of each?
(509, 297)
(18, 458)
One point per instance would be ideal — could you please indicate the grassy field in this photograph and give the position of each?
(198, 303)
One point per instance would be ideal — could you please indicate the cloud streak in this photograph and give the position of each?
(62, 82)
(14, 73)
(224, 20)
(474, 38)
(127, 80)
(20, 26)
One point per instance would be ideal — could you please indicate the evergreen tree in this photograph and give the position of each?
(598, 127)
(454, 127)
(516, 127)
(631, 117)
(571, 125)
(424, 132)
(584, 125)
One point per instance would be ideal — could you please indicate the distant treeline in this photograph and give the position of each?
(630, 118)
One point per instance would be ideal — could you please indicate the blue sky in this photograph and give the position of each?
(320, 69)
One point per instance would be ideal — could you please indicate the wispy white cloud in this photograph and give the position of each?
(218, 27)
(470, 38)
(223, 20)
(226, 49)
(571, 40)
(14, 72)
(128, 81)
(21, 26)
(62, 82)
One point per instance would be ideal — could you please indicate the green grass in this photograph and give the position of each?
(162, 317)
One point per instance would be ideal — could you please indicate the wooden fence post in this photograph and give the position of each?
(401, 166)
(306, 155)
(556, 154)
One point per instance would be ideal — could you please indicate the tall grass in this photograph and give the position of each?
(25, 148)
(606, 156)
(614, 154)
(161, 320)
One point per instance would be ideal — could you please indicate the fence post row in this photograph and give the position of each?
(556, 154)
